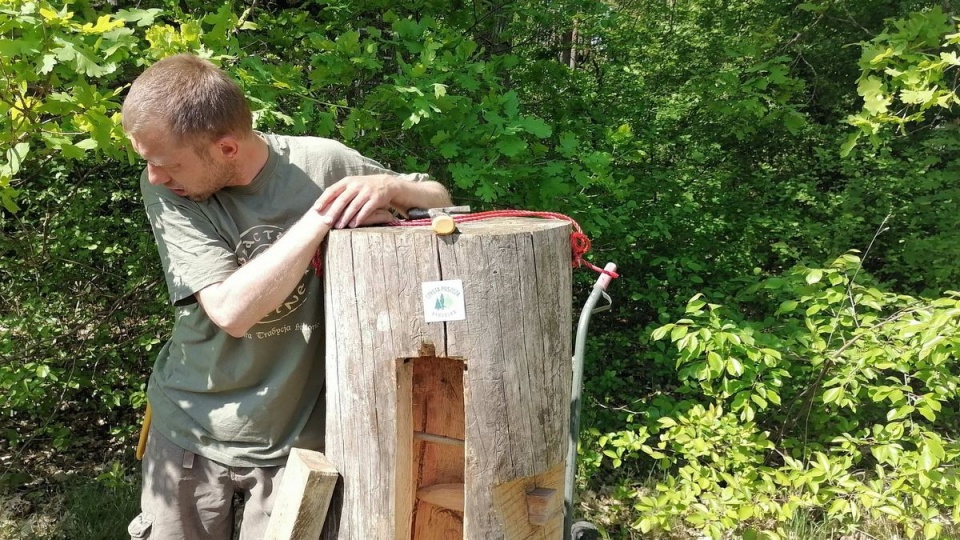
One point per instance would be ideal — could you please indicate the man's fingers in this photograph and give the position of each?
(337, 210)
(366, 211)
(327, 219)
(350, 212)
(378, 217)
(336, 200)
(331, 194)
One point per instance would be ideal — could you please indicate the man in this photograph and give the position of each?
(238, 216)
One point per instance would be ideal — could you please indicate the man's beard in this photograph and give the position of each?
(221, 176)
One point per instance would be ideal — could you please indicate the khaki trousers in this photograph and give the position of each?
(189, 497)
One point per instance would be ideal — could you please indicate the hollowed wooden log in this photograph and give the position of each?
(483, 402)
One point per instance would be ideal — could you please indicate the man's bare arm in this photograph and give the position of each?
(261, 285)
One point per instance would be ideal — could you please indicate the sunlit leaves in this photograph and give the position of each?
(875, 95)
(875, 354)
(141, 17)
(57, 69)
(694, 146)
(907, 73)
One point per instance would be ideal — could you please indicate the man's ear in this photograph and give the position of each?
(227, 147)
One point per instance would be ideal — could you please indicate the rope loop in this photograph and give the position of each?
(317, 262)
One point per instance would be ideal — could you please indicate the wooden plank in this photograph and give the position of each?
(338, 276)
(417, 263)
(404, 484)
(554, 280)
(303, 497)
(375, 371)
(449, 496)
(361, 386)
(505, 317)
(488, 442)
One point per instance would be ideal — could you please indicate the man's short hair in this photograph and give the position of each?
(194, 100)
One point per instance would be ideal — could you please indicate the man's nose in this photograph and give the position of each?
(156, 175)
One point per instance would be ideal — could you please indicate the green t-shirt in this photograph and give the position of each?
(244, 401)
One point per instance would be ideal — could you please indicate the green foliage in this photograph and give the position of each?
(843, 400)
(94, 508)
(73, 256)
(695, 142)
(59, 93)
(908, 76)
(76, 509)
(82, 309)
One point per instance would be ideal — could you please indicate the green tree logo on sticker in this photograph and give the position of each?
(443, 301)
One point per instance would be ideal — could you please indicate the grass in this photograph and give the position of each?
(98, 512)
(75, 509)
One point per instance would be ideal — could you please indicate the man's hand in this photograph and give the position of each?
(358, 200)
(366, 200)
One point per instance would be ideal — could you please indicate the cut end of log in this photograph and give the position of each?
(314, 462)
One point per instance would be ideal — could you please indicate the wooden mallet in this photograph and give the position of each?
(441, 220)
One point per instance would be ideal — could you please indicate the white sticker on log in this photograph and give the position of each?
(443, 301)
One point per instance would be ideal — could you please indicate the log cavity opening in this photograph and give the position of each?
(437, 419)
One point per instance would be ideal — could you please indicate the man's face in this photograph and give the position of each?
(181, 169)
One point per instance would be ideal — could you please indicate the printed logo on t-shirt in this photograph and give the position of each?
(255, 241)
